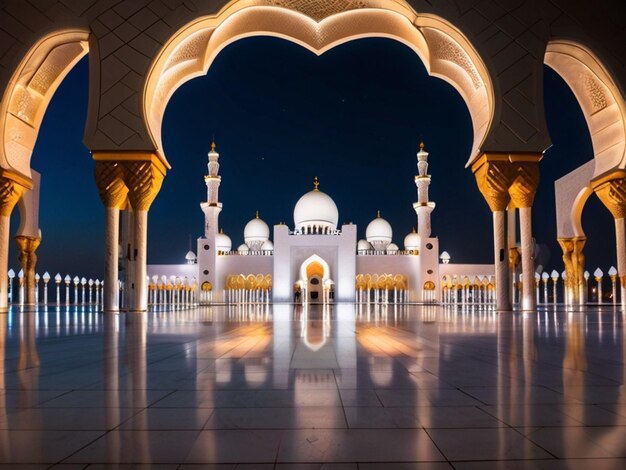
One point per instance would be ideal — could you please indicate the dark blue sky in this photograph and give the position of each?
(281, 115)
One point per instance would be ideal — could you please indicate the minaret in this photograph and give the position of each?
(423, 207)
(207, 252)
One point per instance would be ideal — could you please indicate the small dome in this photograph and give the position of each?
(256, 233)
(363, 245)
(267, 246)
(190, 256)
(243, 248)
(315, 211)
(412, 241)
(223, 242)
(392, 248)
(379, 233)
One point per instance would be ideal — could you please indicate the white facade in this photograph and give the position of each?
(316, 261)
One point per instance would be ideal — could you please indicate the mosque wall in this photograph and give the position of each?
(179, 270)
(338, 251)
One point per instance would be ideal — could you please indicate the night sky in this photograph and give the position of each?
(281, 115)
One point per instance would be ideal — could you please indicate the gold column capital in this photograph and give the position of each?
(493, 178)
(136, 175)
(12, 186)
(143, 179)
(574, 261)
(525, 179)
(109, 176)
(612, 193)
(27, 244)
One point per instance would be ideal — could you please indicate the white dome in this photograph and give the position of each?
(392, 248)
(223, 242)
(315, 211)
(411, 241)
(363, 245)
(267, 246)
(243, 248)
(190, 256)
(379, 233)
(256, 233)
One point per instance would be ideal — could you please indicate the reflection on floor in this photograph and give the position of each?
(292, 387)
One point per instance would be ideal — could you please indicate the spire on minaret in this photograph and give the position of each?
(257, 214)
(378, 214)
(316, 184)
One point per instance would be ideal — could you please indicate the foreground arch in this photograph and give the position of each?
(22, 108)
(443, 49)
(604, 109)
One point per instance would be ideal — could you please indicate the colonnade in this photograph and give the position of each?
(381, 288)
(468, 290)
(172, 292)
(251, 288)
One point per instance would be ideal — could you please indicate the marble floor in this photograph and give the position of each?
(346, 387)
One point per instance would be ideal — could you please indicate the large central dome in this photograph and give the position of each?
(315, 212)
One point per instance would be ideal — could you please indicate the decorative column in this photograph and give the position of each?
(12, 187)
(574, 261)
(113, 193)
(525, 180)
(612, 193)
(493, 176)
(28, 260)
(143, 177)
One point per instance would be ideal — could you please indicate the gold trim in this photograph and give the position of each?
(132, 156)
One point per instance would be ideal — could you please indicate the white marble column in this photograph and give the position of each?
(528, 301)
(501, 261)
(111, 254)
(5, 223)
(620, 238)
(141, 270)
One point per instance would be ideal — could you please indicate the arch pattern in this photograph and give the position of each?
(445, 52)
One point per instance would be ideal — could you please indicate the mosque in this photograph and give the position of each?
(315, 261)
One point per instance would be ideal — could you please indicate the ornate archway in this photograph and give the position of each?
(318, 27)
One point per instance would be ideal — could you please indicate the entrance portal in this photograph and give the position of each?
(315, 278)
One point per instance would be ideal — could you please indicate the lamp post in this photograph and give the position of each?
(83, 282)
(613, 275)
(37, 279)
(67, 280)
(57, 280)
(545, 277)
(76, 281)
(537, 282)
(555, 280)
(586, 275)
(97, 283)
(46, 279)
(90, 284)
(20, 276)
(564, 277)
(597, 274)
(11, 274)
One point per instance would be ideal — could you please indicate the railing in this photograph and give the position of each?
(247, 253)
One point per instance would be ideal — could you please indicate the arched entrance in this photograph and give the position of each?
(315, 279)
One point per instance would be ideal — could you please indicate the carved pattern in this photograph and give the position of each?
(320, 10)
(144, 181)
(613, 196)
(574, 261)
(447, 50)
(493, 180)
(191, 49)
(524, 185)
(44, 77)
(10, 193)
(110, 181)
(595, 93)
